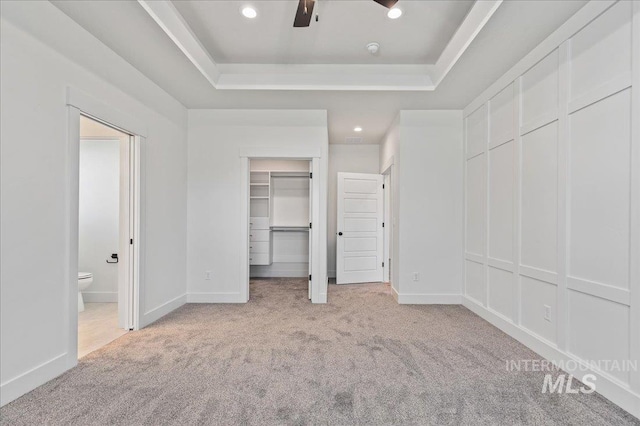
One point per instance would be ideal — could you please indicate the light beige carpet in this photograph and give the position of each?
(361, 359)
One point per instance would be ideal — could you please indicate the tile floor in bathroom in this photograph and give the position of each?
(97, 326)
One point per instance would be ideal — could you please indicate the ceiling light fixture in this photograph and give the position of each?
(249, 12)
(357, 129)
(394, 13)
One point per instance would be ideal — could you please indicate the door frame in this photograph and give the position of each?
(318, 268)
(387, 220)
(79, 103)
(388, 169)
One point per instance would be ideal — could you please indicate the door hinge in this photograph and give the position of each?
(310, 225)
(383, 224)
(383, 264)
(130, 240)
(309, 277)
(310, 175)
(383, 186)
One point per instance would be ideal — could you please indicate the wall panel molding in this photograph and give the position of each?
(576, 196)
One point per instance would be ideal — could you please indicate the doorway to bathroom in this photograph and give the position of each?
(104, 234)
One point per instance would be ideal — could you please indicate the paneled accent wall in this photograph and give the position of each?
(552, 197)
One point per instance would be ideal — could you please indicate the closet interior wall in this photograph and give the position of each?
(279, 218)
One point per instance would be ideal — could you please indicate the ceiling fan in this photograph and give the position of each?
(305, 11)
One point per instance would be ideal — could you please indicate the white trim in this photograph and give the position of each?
(539, 274)
(634, 246)
(318, 231)
(474, 257)
(396, 77)
(607, 386)
(574, 24)
(71, 247)
(598, 93)
(501, 141)
(162, 310)
(480, 13)
(603, 291)
(16, 387)
(100, 296)
(165, 14)
(394, 293)
(385, 169)
(535, 124)
(319, 283)
(504, 265)
(562, 218)
(428, 299)
(104, 113)
(293, 152)
(211, 297)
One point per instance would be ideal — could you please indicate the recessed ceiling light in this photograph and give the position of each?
(394, 13)
(249, 12)
(357, 129)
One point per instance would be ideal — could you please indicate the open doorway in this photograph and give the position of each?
(280, 239)
(104, 234)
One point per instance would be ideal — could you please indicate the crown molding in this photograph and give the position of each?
(402, 77)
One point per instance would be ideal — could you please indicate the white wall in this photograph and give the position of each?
(352, 159)
(390, 163)
(289, 207)
(217, 140)
(99, 217)
(431, 207)
(35, 342)
(553, 197)
(426, 182)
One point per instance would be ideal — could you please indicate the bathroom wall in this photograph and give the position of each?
(98, 219)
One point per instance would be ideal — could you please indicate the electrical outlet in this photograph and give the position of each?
(547, 313)
(207, 275)
(416, 276)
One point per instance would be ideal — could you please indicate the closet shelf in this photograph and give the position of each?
(289, 228)
(290, 174)
(259, 184)
(259, 198)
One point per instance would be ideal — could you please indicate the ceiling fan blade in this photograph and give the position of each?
(387, 3)
(304, 13)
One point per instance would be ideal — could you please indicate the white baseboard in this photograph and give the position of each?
(394, 292)
(162, 310)
(26, 382)
(214, 298)
(427, 299)
(100, 296)
(617, 392)
(322, 299)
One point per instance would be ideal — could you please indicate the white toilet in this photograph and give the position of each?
(84, 280)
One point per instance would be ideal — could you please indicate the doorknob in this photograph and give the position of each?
(339, 233)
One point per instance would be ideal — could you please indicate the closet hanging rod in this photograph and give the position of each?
(289, 228)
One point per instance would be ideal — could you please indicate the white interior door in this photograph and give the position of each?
(310, 233)
(360, 239)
